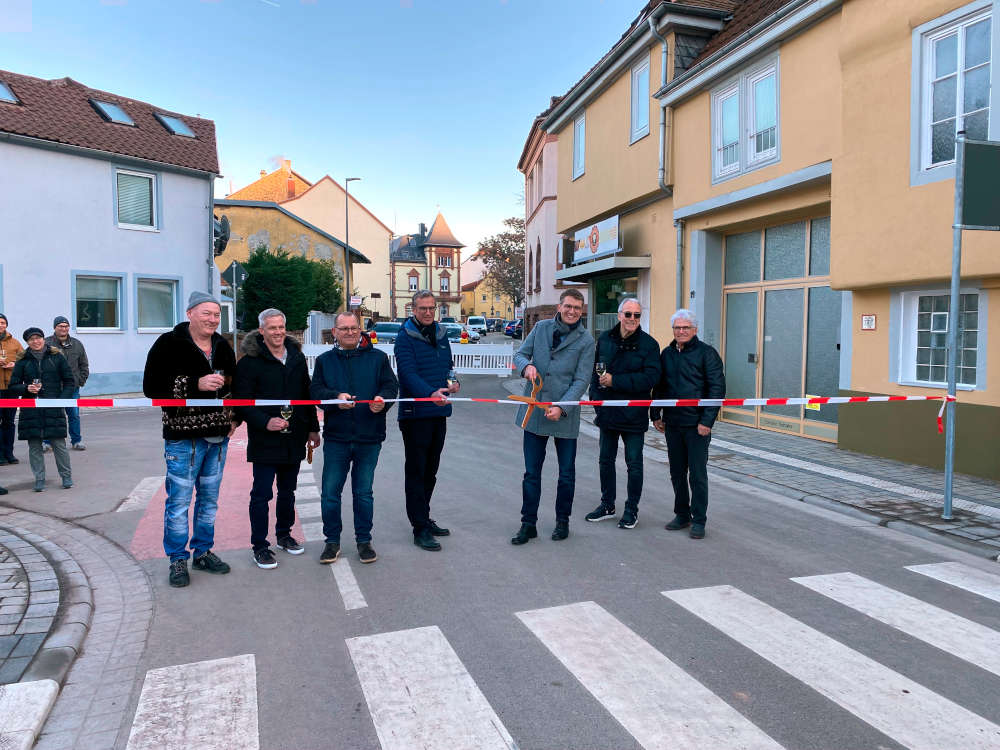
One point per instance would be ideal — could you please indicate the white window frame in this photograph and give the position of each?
(120, 279)
(921, 171)
(444, 261)
(444, 283)
(413, 282)
(151, 176)
(906, 354)
(175, 282)
(638, 129)
(580, 146)
(741, 86)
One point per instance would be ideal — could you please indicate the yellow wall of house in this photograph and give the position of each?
(492, 307)
(887, 231)
(616, 172)
(252, 225)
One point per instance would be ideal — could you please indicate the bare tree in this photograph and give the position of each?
(503, 260)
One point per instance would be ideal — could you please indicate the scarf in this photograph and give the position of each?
(560, 330)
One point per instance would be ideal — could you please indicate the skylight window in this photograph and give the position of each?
(112, 112)
(175, 125)
(6, 95)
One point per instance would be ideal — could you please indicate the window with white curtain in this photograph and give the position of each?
(136, 192)
(156, 301)
(98, 302)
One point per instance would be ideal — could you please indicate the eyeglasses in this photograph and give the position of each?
(683, 328)
(432, 308)
(350, 329)
(629, 314)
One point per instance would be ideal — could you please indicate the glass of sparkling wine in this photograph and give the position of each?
(452, 378)
(600, 368)
(286, 414)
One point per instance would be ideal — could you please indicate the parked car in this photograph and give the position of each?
(455, 333)
(494, 325)
(515, 329)
(476, 323)
(386, 331)
(448, 319)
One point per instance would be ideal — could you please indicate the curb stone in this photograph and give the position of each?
(25, 706)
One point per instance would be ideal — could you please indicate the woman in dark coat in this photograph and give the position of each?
(42, 372)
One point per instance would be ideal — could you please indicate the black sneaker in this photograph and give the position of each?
(677, 523)
(265, 558)
(425, 540)
(3, 490)
(629, 519)
(330, 553)
(210, 563)
(601, 513)
(697, 531)
(437, 530)
(366, 552)
(179, 577)
(290, 546)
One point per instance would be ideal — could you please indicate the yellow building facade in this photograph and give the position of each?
(426, 260)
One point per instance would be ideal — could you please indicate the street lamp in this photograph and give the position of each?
(347, 239)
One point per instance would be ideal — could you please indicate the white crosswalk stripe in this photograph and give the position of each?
(635, 682)
(309, 492)
(963, 577)
(139, 498)
(309, 510)
(204, 704)
(902, 709)
(420, 695)
(313, 531)
(347, 584)
(947, 631)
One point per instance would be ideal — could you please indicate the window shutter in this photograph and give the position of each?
(135, 200)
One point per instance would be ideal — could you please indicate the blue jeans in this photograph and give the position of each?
(194, 467)
(531, 486)
(73, 415)
(633, 461)
(360, 459)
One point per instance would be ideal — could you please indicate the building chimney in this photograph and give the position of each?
(286, 164)
(289, 187)
(263, 173)
(423, 230)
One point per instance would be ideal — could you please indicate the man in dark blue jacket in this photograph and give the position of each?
(423, 361)
(352, 434)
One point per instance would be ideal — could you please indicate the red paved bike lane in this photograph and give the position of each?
(232, 522)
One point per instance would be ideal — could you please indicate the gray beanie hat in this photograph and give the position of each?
(197, 298)
(59, 319)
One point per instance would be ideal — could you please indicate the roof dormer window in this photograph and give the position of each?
(6, 95)
(175, 125)
(112, 112)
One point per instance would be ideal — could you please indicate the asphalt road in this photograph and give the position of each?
(602, 659)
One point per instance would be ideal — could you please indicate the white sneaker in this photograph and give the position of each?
(79, 446)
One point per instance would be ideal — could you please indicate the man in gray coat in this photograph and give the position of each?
(560, 351)
(72, 349)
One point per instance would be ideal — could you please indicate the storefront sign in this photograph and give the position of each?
(596, 241)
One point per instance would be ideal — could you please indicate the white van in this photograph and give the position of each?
(476, 323)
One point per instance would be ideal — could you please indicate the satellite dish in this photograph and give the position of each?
(222, 232)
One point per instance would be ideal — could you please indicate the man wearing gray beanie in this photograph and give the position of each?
(72, 349)
(193, 362)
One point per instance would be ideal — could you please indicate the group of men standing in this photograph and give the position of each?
(558, 360)
(50, 367)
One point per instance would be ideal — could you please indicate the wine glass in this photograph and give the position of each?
(38, 382)
(452, 378)
(220, 373)
(600, 368)
(286, 414)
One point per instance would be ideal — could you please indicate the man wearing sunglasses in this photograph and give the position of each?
(690, 369)
(626, 366)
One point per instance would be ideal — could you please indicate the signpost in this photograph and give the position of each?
(235, 275)
(977, 206)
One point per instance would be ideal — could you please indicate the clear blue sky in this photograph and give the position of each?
(428, 101)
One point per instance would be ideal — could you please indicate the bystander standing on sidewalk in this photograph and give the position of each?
(42, 372)
(10, 350)
(76, 356)
(273, 367)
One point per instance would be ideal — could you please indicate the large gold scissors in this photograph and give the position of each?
(536, 387)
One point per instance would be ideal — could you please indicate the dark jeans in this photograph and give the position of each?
(423, 441)
(260, 496)
(73, 420)
(360, 459)
(531, 485)
(7, 430)
(688, 454)
(633, 461)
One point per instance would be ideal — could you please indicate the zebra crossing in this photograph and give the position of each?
(419, 693)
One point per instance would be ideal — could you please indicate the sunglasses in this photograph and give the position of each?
(629, 314)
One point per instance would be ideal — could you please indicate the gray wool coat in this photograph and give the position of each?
(565, 374)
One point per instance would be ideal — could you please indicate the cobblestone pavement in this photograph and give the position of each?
(96, 696)
(29, 598)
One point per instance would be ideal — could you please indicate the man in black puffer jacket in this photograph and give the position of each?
(273, 367)
(629, 360)
(353, 434)
(691, 369)
(42, 372)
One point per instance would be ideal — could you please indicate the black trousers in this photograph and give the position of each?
(688, 454)
(423, 441)
(260, 495)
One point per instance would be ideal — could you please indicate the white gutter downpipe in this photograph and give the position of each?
(679, 223)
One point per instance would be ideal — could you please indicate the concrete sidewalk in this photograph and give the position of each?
(886, 492)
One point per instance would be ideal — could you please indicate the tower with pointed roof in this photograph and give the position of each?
(427, 260)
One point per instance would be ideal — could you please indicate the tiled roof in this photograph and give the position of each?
(272, 187)
(440, 235)
(60, 111)
(400, 250)
(471, 286)
(746, 15)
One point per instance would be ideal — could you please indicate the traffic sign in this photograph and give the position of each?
(235, 274)
(355, 301)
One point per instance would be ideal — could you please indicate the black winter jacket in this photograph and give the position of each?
(634, 365)
(363, 372)
(695, 372)
(173, 366)
(423, 366)
(57, 382)
(260, 375)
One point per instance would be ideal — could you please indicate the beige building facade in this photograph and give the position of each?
(427, 260)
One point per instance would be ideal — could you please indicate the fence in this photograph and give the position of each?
(317, 321)
(470, 359)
